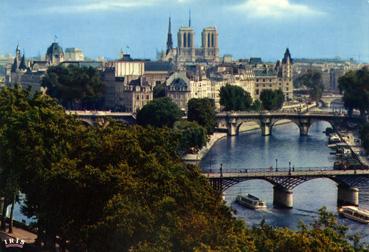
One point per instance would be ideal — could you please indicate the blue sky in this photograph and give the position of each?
(247, 28)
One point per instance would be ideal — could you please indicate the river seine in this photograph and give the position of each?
(251, 150)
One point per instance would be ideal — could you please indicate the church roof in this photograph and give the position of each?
(22, 64)
(158, 66)
(287, 55)
(54, 49)
(178, 84)
(14, 65)
(254, 61)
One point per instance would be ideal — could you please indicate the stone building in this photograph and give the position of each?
(74, 54)
(54, 54)
(136, 95)
(157, 72)
(126, 86)
(279, 77)
(181, 88)
(187, 51)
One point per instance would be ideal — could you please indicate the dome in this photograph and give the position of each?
(54, 50)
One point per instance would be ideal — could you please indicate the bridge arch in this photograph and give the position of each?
(275, 121)
(243, 122)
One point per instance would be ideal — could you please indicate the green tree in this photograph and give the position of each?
(257, 105)
(192, 135)
(234, 98)
(159, 90)
(159, 113)
(355, 88)
(74, 87)
(272, 99)
(312, 80)
(202, 111)
(364, 136)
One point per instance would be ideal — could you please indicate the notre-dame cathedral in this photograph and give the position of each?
(186, 50)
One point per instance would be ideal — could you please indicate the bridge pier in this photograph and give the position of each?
(265, 129)
(266, 126)
(232, 128)
(347, 196)
(304, 125)
(282, 197)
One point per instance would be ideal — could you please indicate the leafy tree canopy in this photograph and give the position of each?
(234, 98)
(161, 112)
(74, 87)
(159, 90)
(272, 99)
(192, 135)
(202, 111)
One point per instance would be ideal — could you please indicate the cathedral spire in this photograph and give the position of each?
(189, 18)
(170, 25)
(169, 38)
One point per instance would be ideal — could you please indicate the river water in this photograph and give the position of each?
(251, 150)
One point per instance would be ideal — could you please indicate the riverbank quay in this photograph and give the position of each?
(196, 157)
(352, 139)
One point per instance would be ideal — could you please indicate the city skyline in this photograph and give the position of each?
(247, 28)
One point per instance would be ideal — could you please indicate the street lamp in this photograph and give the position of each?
(276, 163)
(289, 165)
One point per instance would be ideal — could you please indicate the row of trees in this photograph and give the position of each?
(122, 188)
(237, 99)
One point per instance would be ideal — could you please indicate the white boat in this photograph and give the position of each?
(355, 213)
(334, 138)
(250, 201)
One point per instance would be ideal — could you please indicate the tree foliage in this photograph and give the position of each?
(124, 188)
(272, 99)
(202, 111)
(74, 87)
(355, 88)
(234, 98)
(159, 113)
(312, 80)
(364, 136)
(191, 134)
(159, 90)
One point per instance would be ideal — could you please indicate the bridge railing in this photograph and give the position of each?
(268, 169)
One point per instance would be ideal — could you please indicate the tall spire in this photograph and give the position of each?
(189, 18)
(170, 25)
(169, 38)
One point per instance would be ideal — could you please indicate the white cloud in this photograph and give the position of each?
(275, 9)
(102, 5)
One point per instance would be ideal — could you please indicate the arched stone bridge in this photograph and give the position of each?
(100, 117)
(285, 180)
(266, 120)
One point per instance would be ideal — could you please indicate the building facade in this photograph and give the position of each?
(74, 54)
(186, 51)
